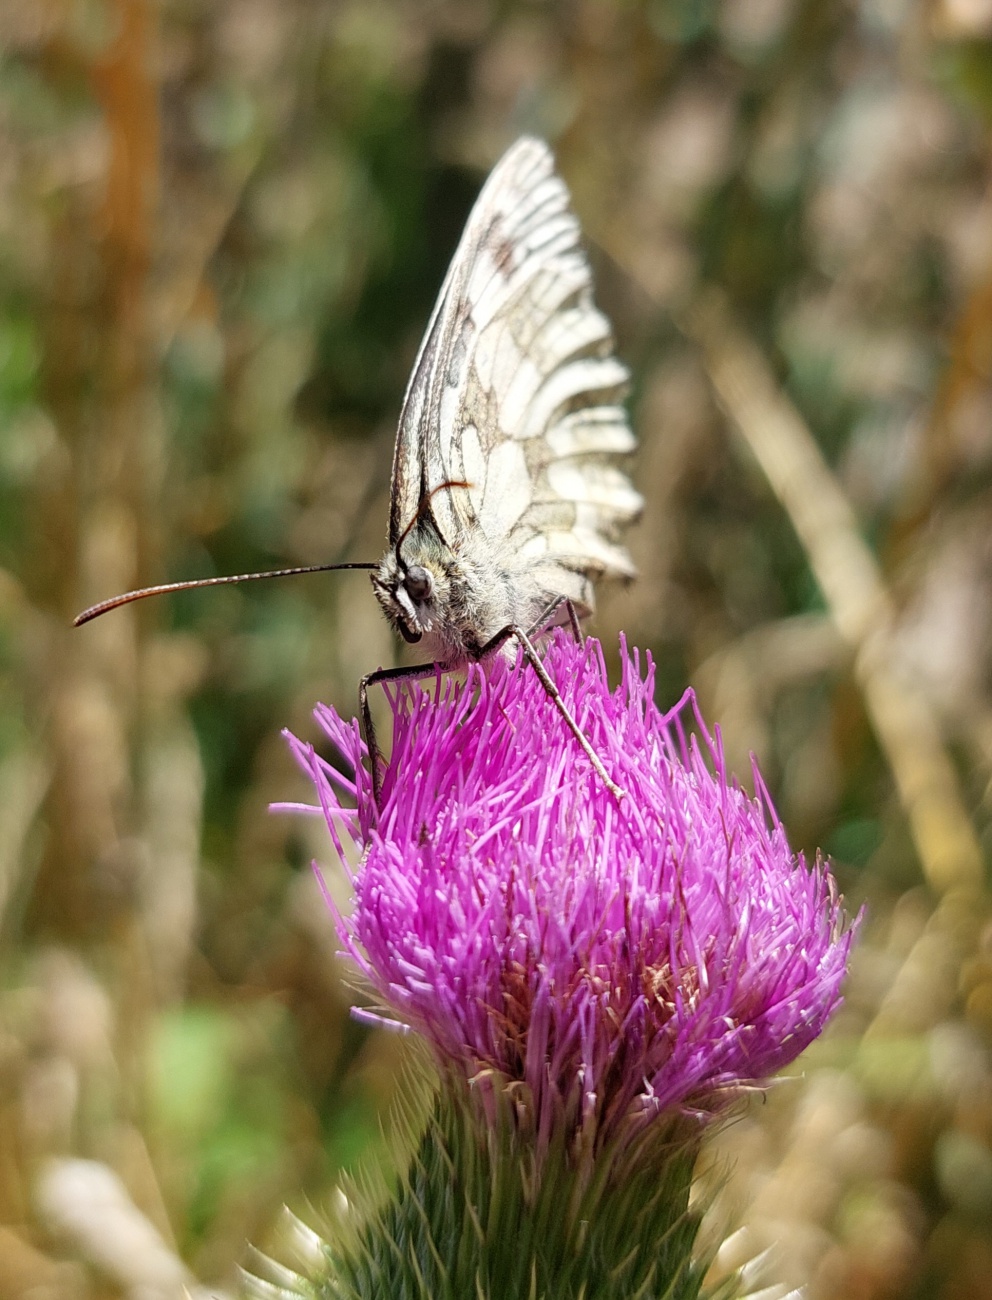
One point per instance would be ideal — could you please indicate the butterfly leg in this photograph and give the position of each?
(543, 624)
(573, 619)
(534, 659)
(381, 675)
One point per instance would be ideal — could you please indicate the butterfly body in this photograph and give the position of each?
(453, 600)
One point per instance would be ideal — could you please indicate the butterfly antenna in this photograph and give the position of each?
(105, 606)
(425, 502)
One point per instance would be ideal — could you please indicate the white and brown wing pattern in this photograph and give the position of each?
(517, 393)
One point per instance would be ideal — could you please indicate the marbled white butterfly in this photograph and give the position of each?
(505, 504)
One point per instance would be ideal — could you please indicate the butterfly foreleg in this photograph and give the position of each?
(534, 659)
(414, 673)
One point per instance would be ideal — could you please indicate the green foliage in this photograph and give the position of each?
(217, 1103)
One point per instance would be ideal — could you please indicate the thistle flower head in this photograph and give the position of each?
(613, 961)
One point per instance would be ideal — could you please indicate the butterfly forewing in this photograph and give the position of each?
(516, 393)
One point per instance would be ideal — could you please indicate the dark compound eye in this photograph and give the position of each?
(419, 583)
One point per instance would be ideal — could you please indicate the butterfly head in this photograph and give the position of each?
(407, 592)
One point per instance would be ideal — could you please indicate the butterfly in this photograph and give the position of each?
(505, 504)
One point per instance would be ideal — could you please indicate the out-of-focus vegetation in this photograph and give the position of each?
(222, 225)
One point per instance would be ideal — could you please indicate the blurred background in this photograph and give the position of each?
(222, 227)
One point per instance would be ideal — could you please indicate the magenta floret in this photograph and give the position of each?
(623, 960)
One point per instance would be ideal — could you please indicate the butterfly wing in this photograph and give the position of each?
(516, 392)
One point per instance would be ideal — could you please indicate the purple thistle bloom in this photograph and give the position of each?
(622, 960)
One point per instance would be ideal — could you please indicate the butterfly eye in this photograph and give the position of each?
(419, 583)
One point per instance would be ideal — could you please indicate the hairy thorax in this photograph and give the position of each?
(453, 600)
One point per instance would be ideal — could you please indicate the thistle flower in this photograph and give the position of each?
(621, 960)
(597, 978)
